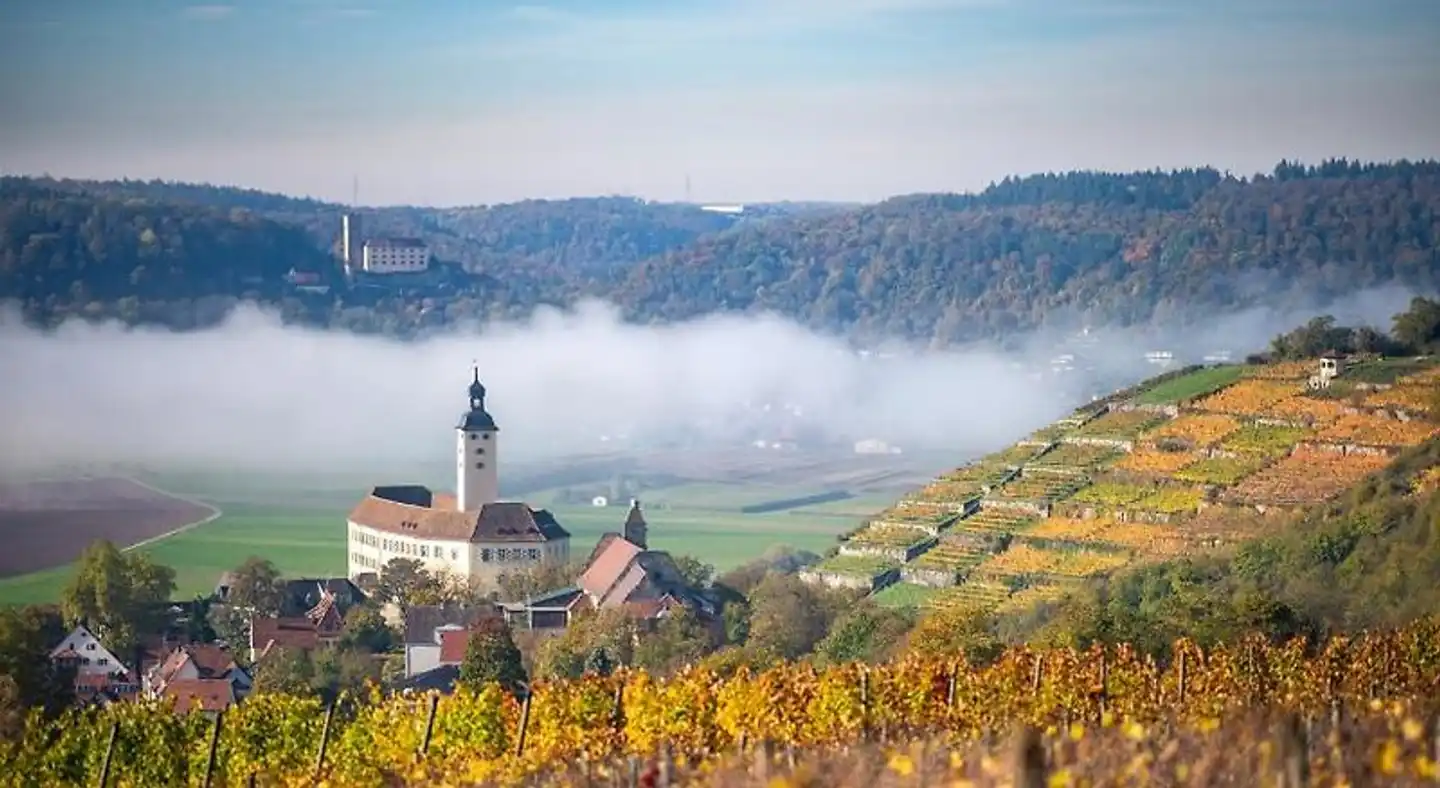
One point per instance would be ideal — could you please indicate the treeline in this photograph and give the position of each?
(1107, 248)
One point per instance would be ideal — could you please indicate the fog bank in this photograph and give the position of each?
(255, 393)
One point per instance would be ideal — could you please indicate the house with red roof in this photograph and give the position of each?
(622, 573)
(198, 662)
(322, 625)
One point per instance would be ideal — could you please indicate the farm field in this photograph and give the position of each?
(1243, 450)
(45, 523)
(298, 521)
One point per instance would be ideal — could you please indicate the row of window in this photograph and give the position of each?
(404, 547)
(504, 554)
(360, 559)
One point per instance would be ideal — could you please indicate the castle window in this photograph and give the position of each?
(485, 436)
(424, 551)
(472, 436)
(454, 554)
(479, 465)
(479, 450)
(486, 556)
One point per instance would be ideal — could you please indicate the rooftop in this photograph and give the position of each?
(413, 510)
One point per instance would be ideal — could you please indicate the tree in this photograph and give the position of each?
(543, 578)
(287, 671)
(256, 587)
(697, 573)
(366, 631)
(118, 596)
(961, 631)
(867, 633)
(678, 639)
(599, 662)
(1419, 326)
(26, 635)
(789, 616)
(406, 582)
(492, 656)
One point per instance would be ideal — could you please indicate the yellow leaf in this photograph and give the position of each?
(902, 765)
(1413, 730)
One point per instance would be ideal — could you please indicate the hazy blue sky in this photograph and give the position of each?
(465, 101)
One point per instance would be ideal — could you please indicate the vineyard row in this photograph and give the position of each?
(485, 734)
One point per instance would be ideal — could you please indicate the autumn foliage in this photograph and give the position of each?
(697, 716)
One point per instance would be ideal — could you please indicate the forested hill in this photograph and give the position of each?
(1133, 248)
(1130, 248)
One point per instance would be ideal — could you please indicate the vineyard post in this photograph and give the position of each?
(524, 724)
(634, 772)
(1035, 680)
(1180, 685)
(1296, 753)
(109, 753)
(214, 744)
(864, 703)
(950, 681)
(667, 766)
(429, 724)
(1029, 759)
(1104, 683)
(324, 738)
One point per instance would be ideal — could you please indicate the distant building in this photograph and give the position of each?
(875, 446)
(470, 535)
(730, 209)
(395, 256)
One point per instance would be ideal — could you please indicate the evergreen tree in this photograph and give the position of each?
(491, 655)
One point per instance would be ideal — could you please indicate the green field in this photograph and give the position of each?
(1195, 384)
(300, 525)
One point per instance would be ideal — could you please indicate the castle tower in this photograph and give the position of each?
(477, 461)
(636, 529)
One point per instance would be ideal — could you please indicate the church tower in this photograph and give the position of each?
(636, 529)
(477, 472)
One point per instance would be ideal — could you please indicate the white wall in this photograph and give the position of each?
(384, 259)
(477, 469)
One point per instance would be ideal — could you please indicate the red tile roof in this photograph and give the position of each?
(417, 512)
(200, 694)
(454, 642)
(606, 569)
(267, 633)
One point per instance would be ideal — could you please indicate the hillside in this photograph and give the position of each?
(1126, 248)
(1206, 503)
(1142, 248)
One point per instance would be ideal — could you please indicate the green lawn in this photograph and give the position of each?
(301, 527)
(1195, 384)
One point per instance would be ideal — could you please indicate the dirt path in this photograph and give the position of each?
(215, 513)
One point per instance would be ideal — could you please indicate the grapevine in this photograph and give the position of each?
(1389, 676)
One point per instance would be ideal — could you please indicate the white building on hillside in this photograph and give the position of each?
(396, 256)
(471, 535)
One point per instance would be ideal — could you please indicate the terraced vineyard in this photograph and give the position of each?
(997, 520)
(1078, 456)
(1038, 486)
(1121, 483)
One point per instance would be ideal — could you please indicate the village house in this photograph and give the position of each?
(198, 676)
(471, 535)
(622, 573)
(100, 676)
(426, 627)
(322, 625)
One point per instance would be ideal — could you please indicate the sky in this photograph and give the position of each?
(457, 102)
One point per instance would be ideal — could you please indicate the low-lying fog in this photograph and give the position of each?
(256, 393)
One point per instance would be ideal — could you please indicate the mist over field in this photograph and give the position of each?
(255, 393)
